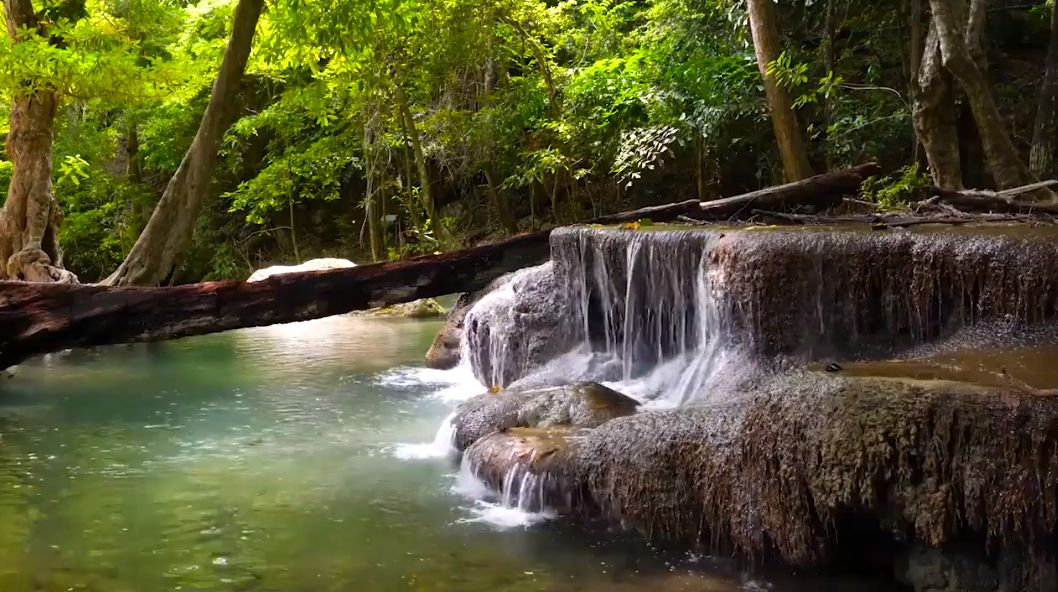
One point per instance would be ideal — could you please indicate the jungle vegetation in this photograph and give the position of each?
(158, 141)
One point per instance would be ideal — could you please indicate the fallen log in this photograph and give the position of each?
(37, 318)
(992, 201)
(883, 221)
(821, 191)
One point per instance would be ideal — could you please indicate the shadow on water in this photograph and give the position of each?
(263, 460)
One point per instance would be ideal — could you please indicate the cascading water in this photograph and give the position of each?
(636, 310)
(650, 303)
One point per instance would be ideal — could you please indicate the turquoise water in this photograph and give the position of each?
(279, 459)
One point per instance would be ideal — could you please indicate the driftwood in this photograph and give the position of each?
(37, 318)
(821, 192)
(992, 201)
(882, 221)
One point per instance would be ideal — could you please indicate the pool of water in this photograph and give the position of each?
(290, 458)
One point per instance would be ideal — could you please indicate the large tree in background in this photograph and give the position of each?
(168, 233)
(31, 216)
(959, 28)
(933, 104)
(764, 26)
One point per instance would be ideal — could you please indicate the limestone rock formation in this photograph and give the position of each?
(584, 405)
(815, 470)
(446, 349)
(517, 326)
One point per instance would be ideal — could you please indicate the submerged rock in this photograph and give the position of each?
(584, 405)
(424, 308)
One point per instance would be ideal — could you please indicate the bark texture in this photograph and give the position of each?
(31, 216)
(372, 197)
(958, 34)
(765, 29)
(934, 115)
(1043, 131)
(156, 253)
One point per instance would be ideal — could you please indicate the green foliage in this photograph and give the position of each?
(895, 191)
(584, 104)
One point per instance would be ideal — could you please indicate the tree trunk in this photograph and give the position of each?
(31, 216)
(821, 191)
(788, 135)
(918, 39)
(439, 231)
(828, 101)
(934, 115)
(1044, 129)
(168, 233)
(500, 203)
(949, 18)
(699, 173)
(373, 212)
(133, 171)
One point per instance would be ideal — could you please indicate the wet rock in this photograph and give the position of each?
(808, 293)
(446, 350)
(518, 326)
(424, 308)
(525, 464)
(815, 469)
(585, 405)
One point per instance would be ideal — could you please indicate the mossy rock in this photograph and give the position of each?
(584, 405)
(425, 308)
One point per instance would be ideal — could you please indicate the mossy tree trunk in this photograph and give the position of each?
(159, 247)
(31, 216)
(788, 134)
(1044, 130)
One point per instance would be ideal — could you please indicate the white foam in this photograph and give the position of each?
(457, 384)
(441, 446)
(503, 517)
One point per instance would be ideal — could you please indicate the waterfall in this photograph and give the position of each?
(637, 310)
(649, 302)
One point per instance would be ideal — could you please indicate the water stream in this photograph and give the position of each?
(295, 458)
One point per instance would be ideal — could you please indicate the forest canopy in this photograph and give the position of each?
(259, 132)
